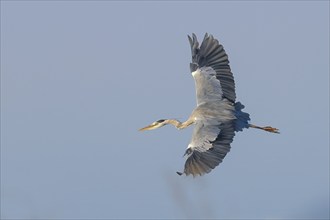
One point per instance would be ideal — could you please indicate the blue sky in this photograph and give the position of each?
(79, 78)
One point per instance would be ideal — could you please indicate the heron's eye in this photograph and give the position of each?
(160, 121)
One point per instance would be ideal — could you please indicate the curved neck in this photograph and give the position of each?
(178, 124)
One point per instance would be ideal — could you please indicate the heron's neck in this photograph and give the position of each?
(178, 124)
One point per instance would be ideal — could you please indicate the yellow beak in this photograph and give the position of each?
(149, 127)
(153, 126)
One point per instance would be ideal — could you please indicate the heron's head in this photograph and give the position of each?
(156, 124)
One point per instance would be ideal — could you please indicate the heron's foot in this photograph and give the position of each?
(271, 129)
(267, 128)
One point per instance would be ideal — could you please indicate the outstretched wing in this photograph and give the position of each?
(211, 70)
(209, 146)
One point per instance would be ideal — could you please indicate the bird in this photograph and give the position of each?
(217, 116)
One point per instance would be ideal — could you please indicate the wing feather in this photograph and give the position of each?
(211, 54)
(209, 146)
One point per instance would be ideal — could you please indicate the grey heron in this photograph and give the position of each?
(217, 116)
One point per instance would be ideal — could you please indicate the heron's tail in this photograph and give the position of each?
(242, 118)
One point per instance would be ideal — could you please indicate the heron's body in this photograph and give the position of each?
(217, 116)
(215, 111)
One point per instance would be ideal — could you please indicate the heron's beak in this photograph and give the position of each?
(157, 124)
(149, 127)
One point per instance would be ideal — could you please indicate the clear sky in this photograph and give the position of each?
(79, 78)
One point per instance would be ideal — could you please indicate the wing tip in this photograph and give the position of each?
(179, 173)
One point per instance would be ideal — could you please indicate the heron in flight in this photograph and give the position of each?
(217, 116)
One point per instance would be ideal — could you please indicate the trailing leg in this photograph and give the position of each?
(267, 128)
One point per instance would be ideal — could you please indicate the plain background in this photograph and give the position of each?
(79, 78)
